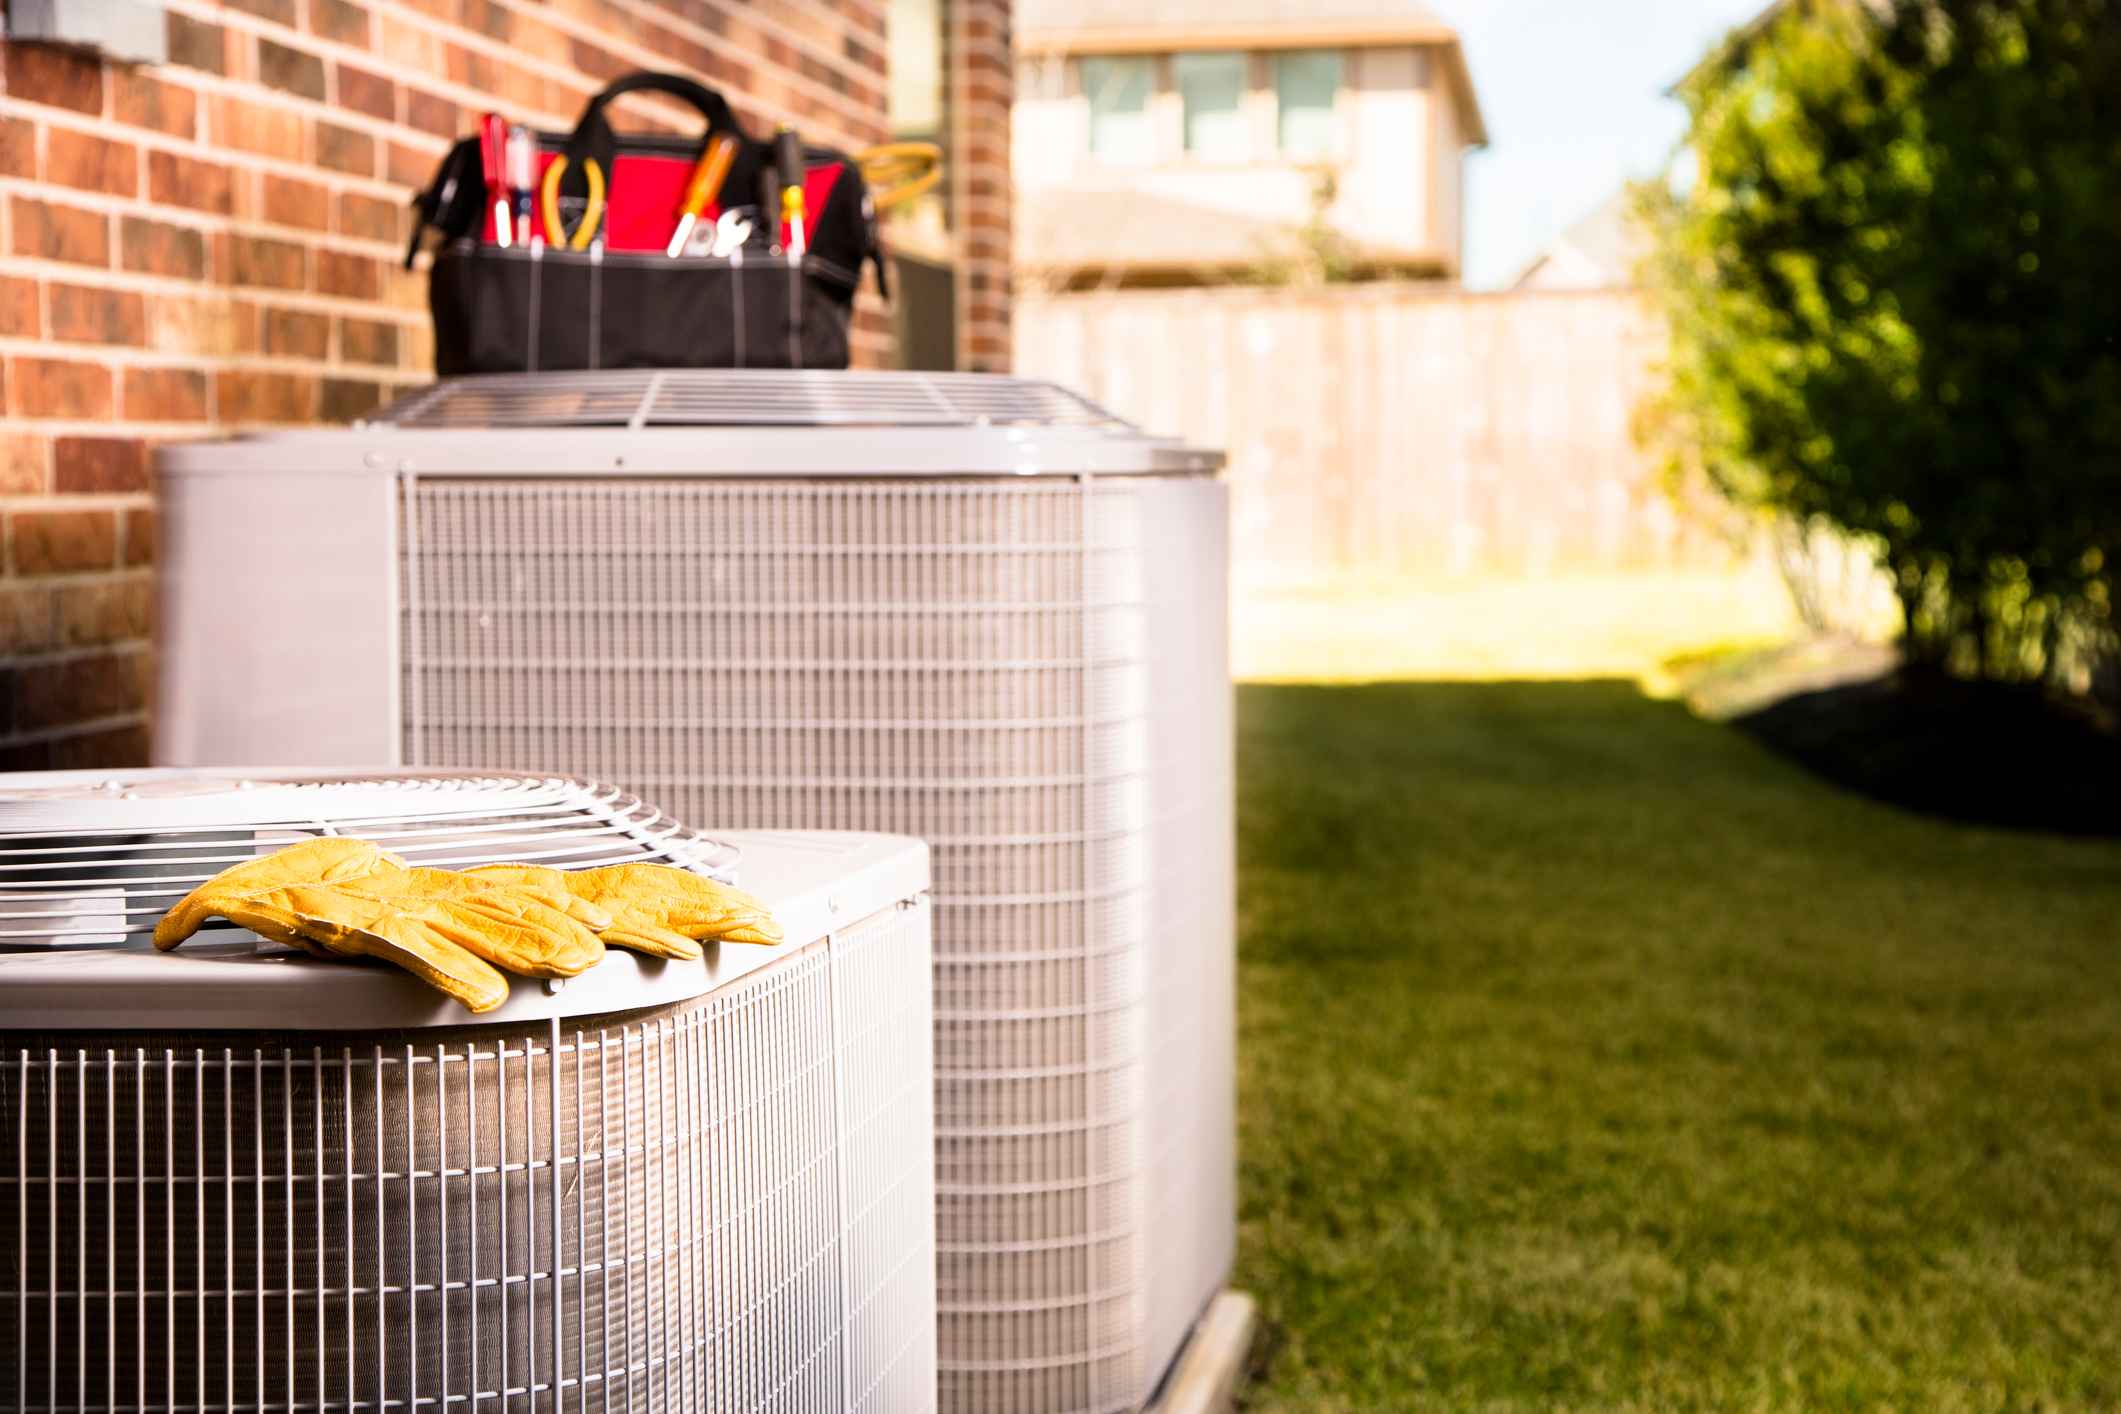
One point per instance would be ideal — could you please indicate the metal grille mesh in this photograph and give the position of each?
(134, 846)
(1032, 677)
(743, 397)
(722, 1205)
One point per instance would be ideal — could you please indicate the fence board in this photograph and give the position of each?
(1392, 434)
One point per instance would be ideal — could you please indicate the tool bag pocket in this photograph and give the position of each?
(574, 270)
(525, 311)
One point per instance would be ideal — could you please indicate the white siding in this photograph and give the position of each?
(1399, 142)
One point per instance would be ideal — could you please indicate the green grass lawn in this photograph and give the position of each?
(1594, 1058)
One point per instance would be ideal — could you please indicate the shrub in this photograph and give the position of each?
(1894, 284)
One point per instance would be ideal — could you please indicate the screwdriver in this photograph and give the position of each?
(523, 178)
(493, 158)
(708, 174)
(788, 158)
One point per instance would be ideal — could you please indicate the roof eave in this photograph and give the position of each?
(1153, 38)
(1470, 118)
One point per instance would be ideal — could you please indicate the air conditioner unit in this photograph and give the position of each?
(236, 1178)
(973, 609)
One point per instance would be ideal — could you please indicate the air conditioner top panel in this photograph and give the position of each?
(716, 422)
(89, 861)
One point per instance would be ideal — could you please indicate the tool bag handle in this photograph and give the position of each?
(593, 137)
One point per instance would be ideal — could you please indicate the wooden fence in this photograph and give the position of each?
(1385, 435)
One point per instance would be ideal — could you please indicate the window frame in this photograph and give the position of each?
(1239, 114)
(1335, 145)
(1149, 67)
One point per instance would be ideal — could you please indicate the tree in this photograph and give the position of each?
(1894, 286)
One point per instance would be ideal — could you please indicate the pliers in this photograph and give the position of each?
(556, 233)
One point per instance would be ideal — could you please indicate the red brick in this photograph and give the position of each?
(163, 395)
(297, 333)
(61, 232)
(370, 217)
(18, 147)
(110, 749)
(185, 324)
(139, 537)
(93, 314)
(73, 690)
(364, 92)
(245, 322)
(253, 260)
(251, 395)
(488, 19)
(368, 341)
(104, 611)
(346, 399)
(431, 113)
(339, 22)
(411, 166)
(280, 12)
(289, 202)
(62, 541)
(294, 70)
(25, 463)
(184, 181)
(92, 163)
(254, 127)
(353, 276)
(50, 387)
(407, 47)
(54, 74)
(148, 103)
(93, 465)
(198, 45)
(18, 306)
(345, 150)
(27, 618)
(160, 248)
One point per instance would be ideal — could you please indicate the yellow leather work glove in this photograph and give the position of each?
(426, 937)
(349, 897)
(562, 941)
(325, 859)
(654, 908)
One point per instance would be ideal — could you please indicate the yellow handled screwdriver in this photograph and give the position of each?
(788, 159)
(708, 174)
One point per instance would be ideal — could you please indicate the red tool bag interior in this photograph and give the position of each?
(593, 249)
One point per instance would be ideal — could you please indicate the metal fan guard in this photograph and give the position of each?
(90, 860)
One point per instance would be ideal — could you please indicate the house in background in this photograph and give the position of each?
(1603, 250)
(1205, 141)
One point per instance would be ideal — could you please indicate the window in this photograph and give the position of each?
(1305, 82)
(1118, 91)
(1211, 88)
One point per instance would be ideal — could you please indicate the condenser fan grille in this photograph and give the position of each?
(95, 865)
(744, 398)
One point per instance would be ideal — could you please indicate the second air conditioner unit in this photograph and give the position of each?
(977, 610)
(235, 1178)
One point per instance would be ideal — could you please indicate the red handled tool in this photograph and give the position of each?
(493, 162)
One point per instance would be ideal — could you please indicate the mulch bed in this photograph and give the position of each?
(1981, 753)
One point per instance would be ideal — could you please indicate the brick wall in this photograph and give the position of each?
(213, 244)
(979, 78)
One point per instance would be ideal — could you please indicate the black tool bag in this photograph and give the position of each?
(733, 299)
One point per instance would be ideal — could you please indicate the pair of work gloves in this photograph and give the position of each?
(459, 931)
